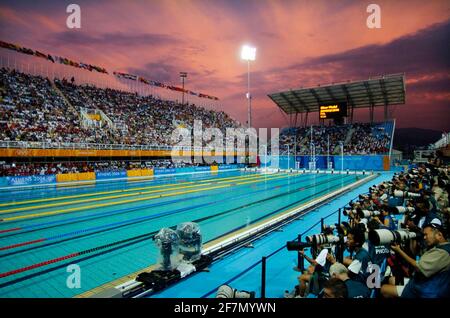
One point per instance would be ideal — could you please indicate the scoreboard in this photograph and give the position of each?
(333, 111)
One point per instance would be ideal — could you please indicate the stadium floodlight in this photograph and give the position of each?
(183, 75)
(248, 54)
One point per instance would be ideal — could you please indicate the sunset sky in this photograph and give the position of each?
(299, 43)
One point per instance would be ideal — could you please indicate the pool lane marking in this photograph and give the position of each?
(112, 284)
(121, 191)
(154, 216)
(180, 186)
(43, 214)
(93, 216)
(94, 249)
(114, 212)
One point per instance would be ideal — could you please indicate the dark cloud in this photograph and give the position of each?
(113, 39)
(441, 84)
(423, 52)
(159, 71)
(423, 56)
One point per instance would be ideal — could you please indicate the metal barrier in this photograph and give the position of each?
(93, 146)
(263, 261)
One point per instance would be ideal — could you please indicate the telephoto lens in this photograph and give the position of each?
(226, 291)
(297, 246)
(385, 236)
(367, 214)
(348, 212)
(405, 194)
(402, 210)
(318, 239)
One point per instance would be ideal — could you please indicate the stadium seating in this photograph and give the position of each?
(35, 109)
(358, 138)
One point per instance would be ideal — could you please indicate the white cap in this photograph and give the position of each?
(436, 221)
(355, 266)
(322, 258)
(383, 197)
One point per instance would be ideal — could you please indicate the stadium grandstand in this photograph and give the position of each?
(335, 103)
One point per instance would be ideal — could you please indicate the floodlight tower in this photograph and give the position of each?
(183, 75)
(248, 54)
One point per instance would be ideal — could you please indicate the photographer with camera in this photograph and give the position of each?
(385, 219)
(358, 263)
(316, 270)
(378, 253)
(421, 217)
(432, 271)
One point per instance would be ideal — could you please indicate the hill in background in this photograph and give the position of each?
(409, 139)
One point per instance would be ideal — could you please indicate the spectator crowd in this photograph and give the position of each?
(357, 139)
(32, 108)
(46, 168)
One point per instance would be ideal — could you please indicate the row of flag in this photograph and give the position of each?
(89, 67)
(158, 84)
(52, 58)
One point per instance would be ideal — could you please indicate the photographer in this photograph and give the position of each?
(357, 265)
(378, 253)
(432, 276)
(335, 288)
(422, 215)
(355, 289)
(440, 193)
(385, 220)
(318, 266)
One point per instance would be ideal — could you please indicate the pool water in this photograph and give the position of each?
(107, 228)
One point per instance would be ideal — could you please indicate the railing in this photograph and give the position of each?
(443, 142)
(94, 146)
(392, 140)
(263, 261)
(423, 155)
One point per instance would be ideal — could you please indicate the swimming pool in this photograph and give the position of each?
(107, 228)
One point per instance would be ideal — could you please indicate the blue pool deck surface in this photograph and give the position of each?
(107, 229)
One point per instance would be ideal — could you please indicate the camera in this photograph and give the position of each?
(343, 228)
(190, 244)
(384, 236)
(367, 213)
(297, 246)
(405, 194)
(363, 197)
(402, 210)
(167, 240)
(319, 239)
(348, 212)
(226, 291)
(328, 229)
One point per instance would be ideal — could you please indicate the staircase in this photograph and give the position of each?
(58, 91)
(103, 117)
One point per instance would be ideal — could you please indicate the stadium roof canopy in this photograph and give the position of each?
(379, 91)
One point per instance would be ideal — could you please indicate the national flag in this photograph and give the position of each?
(39, 54)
